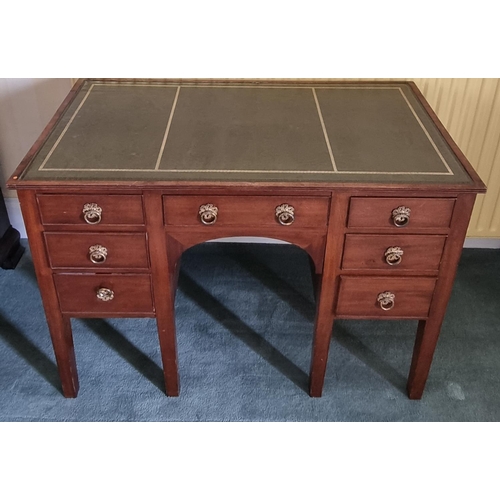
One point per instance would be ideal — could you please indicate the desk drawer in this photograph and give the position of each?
(392, 252)
(406, 297)
(91, 209)
(246, 210)
(97, 250)
(120, 293)
(413, 213)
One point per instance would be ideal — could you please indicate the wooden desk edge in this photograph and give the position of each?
(14, 181)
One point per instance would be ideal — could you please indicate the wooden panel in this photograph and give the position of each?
(377, 212)
(246, 210)
(124, 250)
(78, 294)
(312, 241)
(59, 325)
(358, 297)
(68, 209)
(367, 251)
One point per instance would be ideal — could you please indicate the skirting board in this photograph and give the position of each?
(16, 219)
(482, 243)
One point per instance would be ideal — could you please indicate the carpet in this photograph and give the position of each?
(245, 315)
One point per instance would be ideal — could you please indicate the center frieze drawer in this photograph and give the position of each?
(97, 250)
(400, 213)
(381, 297)
(392, 252)
(274, 211)
(95, 294)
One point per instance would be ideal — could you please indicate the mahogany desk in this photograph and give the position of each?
(362, 176)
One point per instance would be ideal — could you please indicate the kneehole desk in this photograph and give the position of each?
(362, 176)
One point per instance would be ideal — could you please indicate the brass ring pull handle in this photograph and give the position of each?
(208, 214)
(98, 254)
(285, 214)
(401, 216)
(92, 213)
(386, 300)
(394, 256)
(105, 294)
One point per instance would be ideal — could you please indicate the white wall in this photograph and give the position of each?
(26, 106)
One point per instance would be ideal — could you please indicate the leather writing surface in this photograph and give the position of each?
(239, 129)
(336, 133)
(374, 130)
(113, 128)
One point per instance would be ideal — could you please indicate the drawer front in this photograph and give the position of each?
(359, 297)
(392, 253)
(111, 209)
(246, 210)
(78, 293)
(97, 250)
(378, 213)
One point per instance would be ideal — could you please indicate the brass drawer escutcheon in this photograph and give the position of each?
(394, 256)
(208, 214)
(105, 294)
(285, 214)
(98, 254)
(92, 213)
(401, 216)
(386, 300)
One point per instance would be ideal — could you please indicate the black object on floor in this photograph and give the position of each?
(10, 249)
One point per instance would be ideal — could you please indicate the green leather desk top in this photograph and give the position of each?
(243, 133)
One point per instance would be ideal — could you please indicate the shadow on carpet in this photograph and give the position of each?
(245, 317)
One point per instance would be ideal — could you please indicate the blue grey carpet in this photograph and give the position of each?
(244, 324)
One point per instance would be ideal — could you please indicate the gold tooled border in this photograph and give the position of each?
(169, 123)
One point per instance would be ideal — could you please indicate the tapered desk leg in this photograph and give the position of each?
(165, 320)
(164, 284)
(321, 342)
(428, 330)
(62, 340)
(425, 344)
(327, 293)
(59, 325)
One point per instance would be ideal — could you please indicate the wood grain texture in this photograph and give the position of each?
(312, 241)
(68, 209)
(59, 324)
(78, 294)
(376, 213)
(358, 297)
(71, 250)
(247, 211)
(163, 270)
(327, 285)
(428, 331)
(367, 252)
